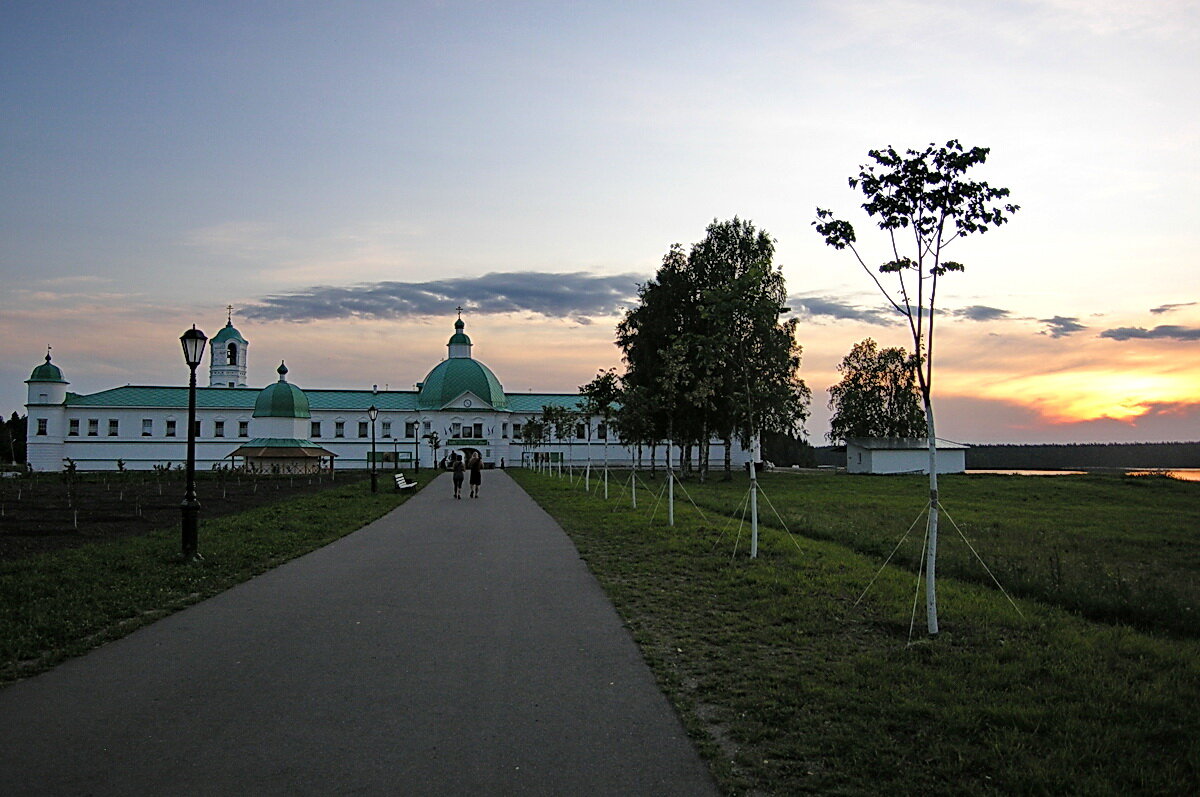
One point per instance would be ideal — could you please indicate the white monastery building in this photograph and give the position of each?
(286, 429)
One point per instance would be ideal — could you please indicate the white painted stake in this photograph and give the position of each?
(633, 487)
(931, 617)
(753, 513)
(755, 458)
(587, 478)
(670, 498)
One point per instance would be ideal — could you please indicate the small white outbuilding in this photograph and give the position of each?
(902, 455)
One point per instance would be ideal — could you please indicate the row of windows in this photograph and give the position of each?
(114, 427)
(364, 429)
(457, 430)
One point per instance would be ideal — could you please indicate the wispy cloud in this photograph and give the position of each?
(1167, 308)
(814, 306)
(980, 312)
(1162, 332)
(579, 296)
(1061, 326)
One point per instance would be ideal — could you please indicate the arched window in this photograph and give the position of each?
(232, 354)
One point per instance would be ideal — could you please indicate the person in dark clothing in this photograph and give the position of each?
(476, 468)
(458, 476)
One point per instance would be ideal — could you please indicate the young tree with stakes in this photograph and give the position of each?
(923, 202)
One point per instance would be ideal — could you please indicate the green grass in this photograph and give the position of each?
(59, 604)
(1117, 549)
(789, 687)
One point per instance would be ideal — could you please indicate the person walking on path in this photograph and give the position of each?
(458, 476)
(476, 467)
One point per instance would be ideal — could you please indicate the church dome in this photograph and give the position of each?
(228, 333)
(282, 400)
(47, 372)
(451, 378)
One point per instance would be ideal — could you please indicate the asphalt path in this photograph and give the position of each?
(455, 647)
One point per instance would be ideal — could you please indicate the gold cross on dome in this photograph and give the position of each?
(229, 309)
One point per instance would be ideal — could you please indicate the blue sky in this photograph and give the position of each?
(319, 166)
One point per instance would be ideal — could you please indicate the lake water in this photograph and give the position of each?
(1183, 474)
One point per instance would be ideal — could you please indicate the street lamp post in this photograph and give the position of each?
(373, 413)
(193, 342)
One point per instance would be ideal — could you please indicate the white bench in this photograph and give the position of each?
(403, 483)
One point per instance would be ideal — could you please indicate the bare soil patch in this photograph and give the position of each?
(49, 511)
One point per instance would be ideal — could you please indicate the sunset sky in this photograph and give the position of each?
(346, 174)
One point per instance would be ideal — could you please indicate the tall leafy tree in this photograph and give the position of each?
(655, 371)
(707, 346)
(878, 395)
(923, 202)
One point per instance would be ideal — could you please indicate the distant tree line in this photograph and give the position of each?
(1060, 456)
(1085, 455)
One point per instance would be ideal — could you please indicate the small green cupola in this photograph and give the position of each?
(460, 344)
(47, 372)
(282, 399)
(47, 384)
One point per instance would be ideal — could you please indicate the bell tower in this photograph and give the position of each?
(227, 356)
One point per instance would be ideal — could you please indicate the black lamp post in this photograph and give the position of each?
(373, 413)
(193, 351)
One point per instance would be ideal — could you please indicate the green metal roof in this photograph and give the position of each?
(281, 400)
(228, 333)
(361, 399)
(451, 378)
(238, 398)
(47, 372)
(533, 402)
(279, 442)
(166, 397)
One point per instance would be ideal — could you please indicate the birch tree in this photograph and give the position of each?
(923, 202)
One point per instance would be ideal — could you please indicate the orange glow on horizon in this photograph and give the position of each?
(1087, 395)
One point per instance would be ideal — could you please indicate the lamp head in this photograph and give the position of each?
(193, 346)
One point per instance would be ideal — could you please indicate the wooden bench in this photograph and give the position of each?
(403, 483)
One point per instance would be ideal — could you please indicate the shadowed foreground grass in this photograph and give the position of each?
(59, 604)
(1117, 549)
(790, 687)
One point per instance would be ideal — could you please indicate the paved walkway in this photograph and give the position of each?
(451, 647)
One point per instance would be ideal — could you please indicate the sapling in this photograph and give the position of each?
(923, 202)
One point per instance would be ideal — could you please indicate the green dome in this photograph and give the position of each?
(47, 372)
(459, 337)
(228, 333)
(282, 400)
(451, 378)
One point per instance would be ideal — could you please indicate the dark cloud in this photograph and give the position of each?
(1061, 326)
(980, 312)
(1167, 332)
(577, 296)
(1166, 308)
(840, 310)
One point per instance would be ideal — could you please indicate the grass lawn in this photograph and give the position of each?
(60, 603)
(1113, 548)
(788, 686)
